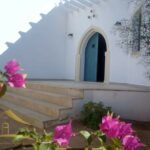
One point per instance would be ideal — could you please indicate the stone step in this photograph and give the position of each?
(36, 105)
(52, 88)
(34, 118)
(53, 98)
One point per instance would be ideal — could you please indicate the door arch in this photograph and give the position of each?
(80, 58)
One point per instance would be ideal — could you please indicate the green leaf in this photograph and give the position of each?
(88, 136)
(44, 146)
(85, 134)
(29, 133)
(20, 138)
(100, 136)
(90, 139)
(36, 146)
(103, 148)
(116, 143)
(3, 89)
(110, 148)
(47, 137)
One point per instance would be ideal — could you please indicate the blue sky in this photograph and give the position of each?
(15, 16)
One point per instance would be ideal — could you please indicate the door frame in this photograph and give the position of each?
(79, 72)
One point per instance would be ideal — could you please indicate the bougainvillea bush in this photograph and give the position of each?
(10, 76)
(113, 134)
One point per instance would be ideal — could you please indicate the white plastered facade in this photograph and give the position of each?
(47, 52)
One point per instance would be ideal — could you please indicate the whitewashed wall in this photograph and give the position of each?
(128, 104)
(123, 67)
(41, 50)
(46, 52)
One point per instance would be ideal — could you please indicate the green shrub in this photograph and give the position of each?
(92, 114)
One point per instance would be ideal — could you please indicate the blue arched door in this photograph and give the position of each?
(94, 66)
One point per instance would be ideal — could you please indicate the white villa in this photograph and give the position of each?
(74, 49)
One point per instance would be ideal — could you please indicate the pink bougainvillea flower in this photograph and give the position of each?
(63, 134)
(131, 142)
(114, 128)
(12, 67)
(125, 129)
(17, 80)
(110, 126)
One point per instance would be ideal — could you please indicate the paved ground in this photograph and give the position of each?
(143, 131)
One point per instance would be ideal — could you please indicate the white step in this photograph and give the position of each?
(35, 118)
(36, 105)
(59, 89)
(43, 104)
(53, 98)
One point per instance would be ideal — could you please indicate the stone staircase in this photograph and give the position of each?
(42, 104)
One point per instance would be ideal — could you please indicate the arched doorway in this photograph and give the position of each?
(94, 59)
